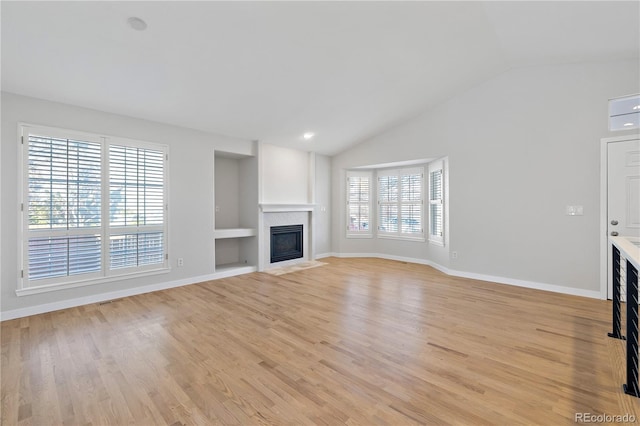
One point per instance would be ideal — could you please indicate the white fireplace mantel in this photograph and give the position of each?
(275, 208)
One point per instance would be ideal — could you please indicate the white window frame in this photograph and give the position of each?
(436, 167)
(363, 233)
(399, 203)
(26, 287)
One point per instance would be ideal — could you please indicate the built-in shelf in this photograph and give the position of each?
(219, 234)
(231, 269)
(235, 216)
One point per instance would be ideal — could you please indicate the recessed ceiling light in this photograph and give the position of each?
(137, 23)
(308, 136)
(627, 124)
(636, 107)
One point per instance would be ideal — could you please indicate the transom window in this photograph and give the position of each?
(94, 207)
(624, 113)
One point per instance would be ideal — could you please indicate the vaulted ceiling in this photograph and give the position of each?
(274, 70)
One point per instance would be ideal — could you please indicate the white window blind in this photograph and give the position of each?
(136, 206)
(436, 202)
(359, 203)
(64, 206)
(411, 203)
(400, 203)
(388, 204)
(90, 207)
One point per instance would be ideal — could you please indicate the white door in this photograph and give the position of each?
(623, 193)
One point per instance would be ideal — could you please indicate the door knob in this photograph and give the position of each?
(614, 234)
(614, 222)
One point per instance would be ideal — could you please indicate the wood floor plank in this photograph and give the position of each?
(354, 342)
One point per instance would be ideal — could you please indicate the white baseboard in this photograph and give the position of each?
(594, 294)
(322, 255)
(393, 257)
(102, 297)
(349, 255)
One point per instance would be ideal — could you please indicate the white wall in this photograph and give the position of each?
(227, 204)
(285, 174)
(227, 192)
(521, 147)
(249, 211)
(191, 184)
(322, 213)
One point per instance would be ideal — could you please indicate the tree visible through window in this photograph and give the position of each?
(64, 207)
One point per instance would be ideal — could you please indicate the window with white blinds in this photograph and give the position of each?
(359, 204)
(64, 206)
(436, 202)
(136, 206)
(93, 207)
(401, 203)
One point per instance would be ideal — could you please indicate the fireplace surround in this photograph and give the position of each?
(285, 215)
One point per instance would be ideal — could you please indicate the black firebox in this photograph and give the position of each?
(286, 243)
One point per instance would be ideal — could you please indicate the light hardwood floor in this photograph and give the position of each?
(357, 341)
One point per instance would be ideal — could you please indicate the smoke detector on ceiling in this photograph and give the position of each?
(137, 23)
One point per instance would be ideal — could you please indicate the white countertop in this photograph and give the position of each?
(629, 247)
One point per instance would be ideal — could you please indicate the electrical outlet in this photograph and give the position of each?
(454, 254)
(180, 261)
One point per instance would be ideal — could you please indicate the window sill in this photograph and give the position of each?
(81, 283)
(437, 243)
(402, 238)
(359, 236)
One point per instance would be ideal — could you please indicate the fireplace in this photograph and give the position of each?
(286, 243)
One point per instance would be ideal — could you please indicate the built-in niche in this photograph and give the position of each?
(236, 212)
